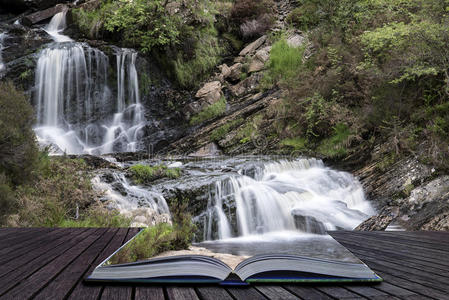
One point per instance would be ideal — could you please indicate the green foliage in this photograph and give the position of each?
(98, 217)
(8, 203)
(210, 112)
(221, 131)
(305, 16)
(297, 144)
(18, 148)
(143, 174)
(160, 238)
(144, 23)
(284, 63)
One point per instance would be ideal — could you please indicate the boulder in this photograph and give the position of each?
(259, 60)
(225, 70)
(210, 92)
(235, 72)
(253, 46)
(246, 86)
(295, 40)
(207, 151)
(381, 221)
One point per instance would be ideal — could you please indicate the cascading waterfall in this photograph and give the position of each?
(76, 111)
(2, 40)
(301, 195)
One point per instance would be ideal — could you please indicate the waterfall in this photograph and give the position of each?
(76, 111)
(301, 195)
(2, 40)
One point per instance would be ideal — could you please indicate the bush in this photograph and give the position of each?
(8, 203)
(18, 148)
(143, 174)
(304, 17)
(253, 17)
(210, 112)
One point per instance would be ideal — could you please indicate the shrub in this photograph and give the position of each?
(336, 145)
(304, 17)
(143, 174)
(210, 112)
(18, 148)
(221, 131)
(8, 203)
(254, 17)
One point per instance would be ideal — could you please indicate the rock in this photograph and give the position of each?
(43, 15)
(24, 5)
(253, 46)
(259, 60)
(207, 151)
(95, 162)
(235, 72)
(295, 40)
(225, 70)
(246, 86)
(381, 221)
(91, 5)
(210, 92)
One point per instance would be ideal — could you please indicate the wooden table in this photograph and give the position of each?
(50, 263)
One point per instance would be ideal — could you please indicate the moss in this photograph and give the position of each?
(210, 112)
(143, 174)
(236, 43)
(295, 143)
(335, 146)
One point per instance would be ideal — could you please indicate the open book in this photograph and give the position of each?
(239, 261)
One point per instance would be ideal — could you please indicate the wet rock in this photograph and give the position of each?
(309, 224)
(253, 46)
(95, 162)
(23, 5)
(381, 221)
(43, 15)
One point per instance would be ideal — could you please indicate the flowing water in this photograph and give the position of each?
(2, 40)
(301, 195)
(76, 109)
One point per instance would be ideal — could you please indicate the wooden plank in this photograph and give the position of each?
(244, 293)
(399, 249)
(11, 250)
(123, 290)
(424, 237)
(181, 293)
(87, 292)
(7, 232)
(145, 293)
(412, 286)
(40, 259)
(307, 292)
(60, 286)
(370, 292)
(404, 240)
(213, 293)
(20, 256)
(338, 292)
(23, 237)
(275, 292)
(31, 285)
(404, 246)
(117, 293)
(396, 291)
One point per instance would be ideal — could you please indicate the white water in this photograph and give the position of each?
(76, 111)
(2, 39)
(301, 195)
(134, 198)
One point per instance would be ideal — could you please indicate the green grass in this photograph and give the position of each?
(143, 174)
(284, 63)
(221, 131)
(298, 143)
(335, 146)
(98, 218)
(210, 112)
